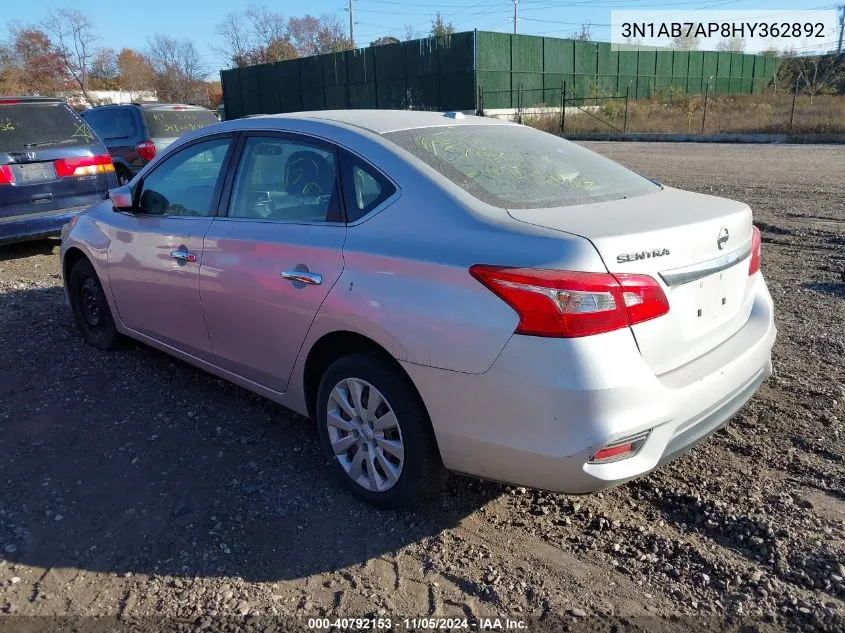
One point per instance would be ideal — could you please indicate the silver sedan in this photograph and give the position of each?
(439, 292)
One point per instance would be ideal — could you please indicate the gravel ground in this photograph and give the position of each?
(139, 487)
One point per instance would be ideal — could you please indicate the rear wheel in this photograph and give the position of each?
(376, 433)
(90, 308)
(123, 176)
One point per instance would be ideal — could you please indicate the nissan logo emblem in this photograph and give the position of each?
(723, 238)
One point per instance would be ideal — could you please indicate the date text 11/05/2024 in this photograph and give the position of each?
(419, 624)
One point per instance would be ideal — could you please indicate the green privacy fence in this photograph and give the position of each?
(484, 70)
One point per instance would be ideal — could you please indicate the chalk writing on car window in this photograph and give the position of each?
(83, 132)
(7, 126)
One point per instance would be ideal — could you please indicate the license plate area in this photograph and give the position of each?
(705, 304)
(33, 173)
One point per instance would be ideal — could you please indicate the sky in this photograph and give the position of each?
(130, 24)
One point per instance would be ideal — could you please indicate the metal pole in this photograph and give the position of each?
(563, 110)
(515, 3)
(841, 7)
(627, 96)
(562, 104)
(351, 25)
(706, 94)
(794, 97)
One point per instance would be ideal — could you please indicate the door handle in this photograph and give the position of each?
(303, 276)
(184, 256)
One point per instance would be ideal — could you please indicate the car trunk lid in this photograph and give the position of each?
(696, 246)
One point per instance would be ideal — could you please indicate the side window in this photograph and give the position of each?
(286, 180)
(184, 183)
(364, 187)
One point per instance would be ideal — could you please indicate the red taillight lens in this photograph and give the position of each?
(83, 166)
(569, 304)
(146, 150)
(6, 175)
(756, 249)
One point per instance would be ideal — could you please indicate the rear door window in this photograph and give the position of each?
(28, 126)
(112, 123)
(174, 123)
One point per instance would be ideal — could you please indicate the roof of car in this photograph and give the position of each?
(383, 121)
(26, 98)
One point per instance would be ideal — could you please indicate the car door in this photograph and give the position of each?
(155, 253)
(270, 261)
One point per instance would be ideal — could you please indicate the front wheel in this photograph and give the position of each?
(376, 433)
(90, 307)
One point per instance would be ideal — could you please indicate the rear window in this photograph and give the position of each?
(518, 167)
(28, 126)
(173, 123)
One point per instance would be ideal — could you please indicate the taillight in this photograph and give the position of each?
(756, 249)
(6, 175)
(561, 303)
(83, 166)
(146, 150)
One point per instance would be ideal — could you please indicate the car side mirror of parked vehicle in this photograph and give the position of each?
(121, 198)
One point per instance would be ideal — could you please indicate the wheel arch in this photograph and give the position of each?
(337, 344)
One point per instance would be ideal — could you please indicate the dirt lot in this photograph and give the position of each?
(136, 486)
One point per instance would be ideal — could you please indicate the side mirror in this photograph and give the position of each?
(121, 198)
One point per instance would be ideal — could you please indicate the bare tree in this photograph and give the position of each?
(312, 36)
(256, 36)
(687, 41)
(731, 45)
(178, 69)
(818, 73)
(584, 35)
(104, 73)
(410, 33)
(75, 40)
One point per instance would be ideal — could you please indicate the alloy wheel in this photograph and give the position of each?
(365, 435)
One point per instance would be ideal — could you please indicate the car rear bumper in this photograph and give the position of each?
(546, 406)
(36, 225)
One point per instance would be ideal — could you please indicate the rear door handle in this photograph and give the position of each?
(302, 276)
(184, 256)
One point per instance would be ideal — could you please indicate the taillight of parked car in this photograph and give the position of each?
(6, 175)
(568, 304)
(756, 249)
(146, 150)
(83, 166)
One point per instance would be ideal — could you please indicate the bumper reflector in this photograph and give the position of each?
(620, 449)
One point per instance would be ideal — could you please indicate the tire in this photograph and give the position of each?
(418, 474)
(90, 308)
(123, 176)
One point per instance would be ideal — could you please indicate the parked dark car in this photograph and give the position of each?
(52, 166)
(135, 133)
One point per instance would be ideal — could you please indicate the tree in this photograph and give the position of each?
(819, 74)
(731, 45)
(410, 33)
(136, 73)
(687, 41)
(29, 64)
(439, 27)
(74, 39)
(178, 70)
(584, 35)
(104, 73)
(385, 39)
(313, 36)
(256, 36)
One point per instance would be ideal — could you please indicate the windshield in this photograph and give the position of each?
(173, 123)
(29, 126)
(518, 167)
